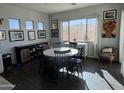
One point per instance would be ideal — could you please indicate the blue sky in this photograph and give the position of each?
(13, 23)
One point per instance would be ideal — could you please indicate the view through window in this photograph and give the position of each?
(29, 25)
(40, 25)
(80, 30)
(14, 24)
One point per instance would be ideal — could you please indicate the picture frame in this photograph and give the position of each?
(2, 35)
(109, 14)
(41, 34)
(109, 29)
(54, 24)
(1, 21)
(16, 35)
(31, 35)
(54, 33)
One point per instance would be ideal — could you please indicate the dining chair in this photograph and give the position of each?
(40, 58)
(61, 60)
(73, 45)
(57, 44)
(76, 63)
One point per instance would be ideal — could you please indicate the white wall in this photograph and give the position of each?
(9, 11)
(93, 11)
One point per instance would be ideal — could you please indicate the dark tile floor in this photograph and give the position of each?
(28, 77)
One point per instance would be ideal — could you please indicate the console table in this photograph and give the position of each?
(26, 53)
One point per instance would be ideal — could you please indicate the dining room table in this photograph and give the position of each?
(50, 52)
(50, 56)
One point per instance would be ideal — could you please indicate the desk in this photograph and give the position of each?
(50, 52)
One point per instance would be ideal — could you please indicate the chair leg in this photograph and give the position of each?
(63, 73)
(67, 74)
(77, 69)
(81, 70)
(111, 60)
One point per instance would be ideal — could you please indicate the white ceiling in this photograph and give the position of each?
(51, 8)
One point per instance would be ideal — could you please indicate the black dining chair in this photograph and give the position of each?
(57, 44)
(41, 58)
(61, 61)
(76, 63)
(73, 45)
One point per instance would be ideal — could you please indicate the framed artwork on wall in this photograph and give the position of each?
(109, 14)
(16, 35)
(109, 29)
(1, 21)
(2, 35)
(54, 24)
(54, 33)
(41, 34)
(31, 35)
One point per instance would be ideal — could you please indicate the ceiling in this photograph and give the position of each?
(51, 8)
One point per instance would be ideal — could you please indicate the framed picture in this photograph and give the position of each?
(41, 34)
(110, 14)
(2, 35)
(1, 21)
(16, 35)
(54, 33)
(54, 24)
(109, 29)
(31, 35)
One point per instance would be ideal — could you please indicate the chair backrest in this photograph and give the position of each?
(73, 44)
(61, 56)
(108, 50)
(80, 51)
(57, 44)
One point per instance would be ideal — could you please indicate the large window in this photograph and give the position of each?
(40, 26)
(80, 30)
(29, 25)
(14, 24)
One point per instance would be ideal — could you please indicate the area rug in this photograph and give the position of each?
(112, 81)
(5, 85)
(95, 82)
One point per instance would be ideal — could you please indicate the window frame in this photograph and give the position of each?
(15, 19)
(32, 25)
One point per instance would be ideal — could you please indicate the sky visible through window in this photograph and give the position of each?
(40, 26)
(29, 25)
(83, 21)
(13, 23)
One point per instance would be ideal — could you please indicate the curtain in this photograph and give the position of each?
(121, 45)
(92, 34)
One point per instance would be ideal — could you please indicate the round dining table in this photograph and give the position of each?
(50, 52)
(50, 64)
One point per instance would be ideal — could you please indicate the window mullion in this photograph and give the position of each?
(68, 31)
(86, 29)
